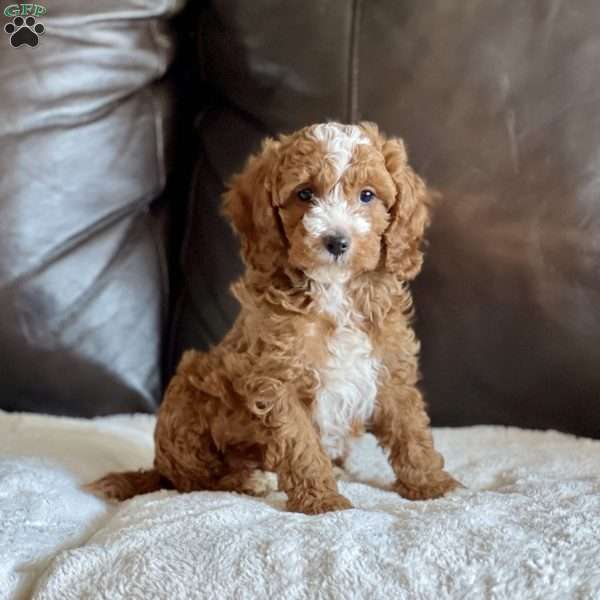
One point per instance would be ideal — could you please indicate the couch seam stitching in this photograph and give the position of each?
(353, 69)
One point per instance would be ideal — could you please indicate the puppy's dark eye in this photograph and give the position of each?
(305, 194)
(366, 196)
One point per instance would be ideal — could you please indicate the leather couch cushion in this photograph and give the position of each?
(501, 109)
(271, 68)
(83, 140)
(499, 105)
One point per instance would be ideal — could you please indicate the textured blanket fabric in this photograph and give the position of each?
(527, 526)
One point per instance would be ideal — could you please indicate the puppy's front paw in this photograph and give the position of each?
(319, 504)
(431, 486)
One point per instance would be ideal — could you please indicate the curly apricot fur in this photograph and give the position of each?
(248, 403)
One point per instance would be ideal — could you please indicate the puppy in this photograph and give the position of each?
(330, 221)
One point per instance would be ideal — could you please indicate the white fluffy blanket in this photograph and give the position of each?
(527, 526)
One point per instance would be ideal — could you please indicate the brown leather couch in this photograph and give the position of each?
(498, 102)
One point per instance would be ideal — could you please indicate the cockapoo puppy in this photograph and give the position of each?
(330, 221)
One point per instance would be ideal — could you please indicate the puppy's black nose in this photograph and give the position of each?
(336, 244)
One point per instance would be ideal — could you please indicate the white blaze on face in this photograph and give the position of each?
(340, 141)
(333, 213)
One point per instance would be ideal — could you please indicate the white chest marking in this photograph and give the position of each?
(349, 378)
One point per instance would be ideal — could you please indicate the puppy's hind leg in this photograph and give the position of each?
(211, 470)
(244, 473)
(187, 454)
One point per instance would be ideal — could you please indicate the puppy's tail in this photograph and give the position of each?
(125, 485)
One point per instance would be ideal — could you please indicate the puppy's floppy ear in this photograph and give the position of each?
(248, 203)
(410, 214)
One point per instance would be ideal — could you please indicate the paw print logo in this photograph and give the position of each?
(24, 31)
